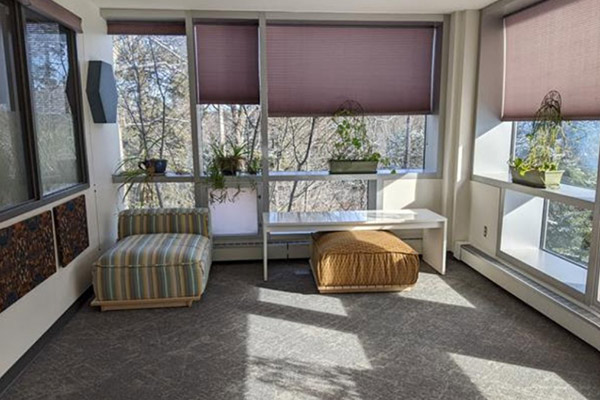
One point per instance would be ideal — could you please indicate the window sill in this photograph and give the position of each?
(572, 195)
(166, 177)
(558, 269)
(326, 176)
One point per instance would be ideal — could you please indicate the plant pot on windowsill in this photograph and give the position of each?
(537, 179)
(353, 166)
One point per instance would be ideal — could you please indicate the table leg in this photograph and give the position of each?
(265, 255)
(434, 248)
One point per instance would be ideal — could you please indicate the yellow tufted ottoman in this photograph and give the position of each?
(363, 261)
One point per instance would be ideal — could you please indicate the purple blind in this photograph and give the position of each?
(311, 70)
(145, 27)
(227, 64)
(554, 45)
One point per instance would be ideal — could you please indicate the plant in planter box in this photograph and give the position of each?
(353, 151)
(546, 147)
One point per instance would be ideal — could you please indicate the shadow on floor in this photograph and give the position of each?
(456, 336)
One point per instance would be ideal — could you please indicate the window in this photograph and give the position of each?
(153, 108)
(53, 82)
(306, 143)
(581, 150)
(568, 232)
(319, 195)
(155, 194)
(41, 131)
(548, 239)
(15, 187)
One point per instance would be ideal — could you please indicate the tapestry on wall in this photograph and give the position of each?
(26, 257)
(72, 238)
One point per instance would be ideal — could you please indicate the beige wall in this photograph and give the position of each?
(24, 322)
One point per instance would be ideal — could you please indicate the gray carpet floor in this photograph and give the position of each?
(453, 337)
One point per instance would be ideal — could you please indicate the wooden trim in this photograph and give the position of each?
(55, 11)
(111, 305)
(146, 28)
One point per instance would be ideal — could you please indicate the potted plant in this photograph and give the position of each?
(229, 159)
(353, 151)
(546, 145)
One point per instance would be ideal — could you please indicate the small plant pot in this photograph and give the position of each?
(352, 167)
(538, 179)
(157, 166)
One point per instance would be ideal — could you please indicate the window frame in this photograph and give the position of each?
(27, 115)
(435, 122)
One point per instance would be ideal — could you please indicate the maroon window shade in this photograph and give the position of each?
(54, 11)
(146, 27)
(311, 70)
(554, 45)
(227, 63)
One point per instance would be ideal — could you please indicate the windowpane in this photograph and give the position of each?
(569, 232)
(318, 195)
(306, 143)
(169, 195)
(223, 124)
(153, 109)
(580, 161)
(14, 182)
(52, 81)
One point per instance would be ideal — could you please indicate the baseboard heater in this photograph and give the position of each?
(582, 322)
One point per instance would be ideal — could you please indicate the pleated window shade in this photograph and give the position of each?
(145, 27)
(313, 69)
(554, 45)
(227, 63)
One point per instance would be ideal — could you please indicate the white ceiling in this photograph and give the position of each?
(356, 6)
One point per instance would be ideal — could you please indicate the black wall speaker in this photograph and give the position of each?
(102, 92)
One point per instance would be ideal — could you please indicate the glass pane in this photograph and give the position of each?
(52, 80)
(318, 195)
(14, 182)
(224, 124)
(580, 161)
(569, 232)
(154, 109)
(169, 195)
(306, 143)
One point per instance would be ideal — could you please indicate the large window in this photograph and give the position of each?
(15, 186)
(319, 195)
(53, 81)
(581, 145)
(153, 109)
(306, 143)
(41, 130)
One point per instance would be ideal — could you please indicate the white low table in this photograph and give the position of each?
(432, 224)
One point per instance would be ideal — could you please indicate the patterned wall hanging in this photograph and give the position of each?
(72, 238)
(26, 257)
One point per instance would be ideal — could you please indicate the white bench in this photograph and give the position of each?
(433, 226)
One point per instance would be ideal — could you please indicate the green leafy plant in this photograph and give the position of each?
(143, 178)
(353, 142)
(228, 159)
(546, 140)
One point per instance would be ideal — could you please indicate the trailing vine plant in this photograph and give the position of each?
(546, 140)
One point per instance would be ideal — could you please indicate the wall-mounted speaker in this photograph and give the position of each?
(102, 92)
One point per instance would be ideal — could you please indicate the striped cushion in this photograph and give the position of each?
(164, 220)
(154, 266)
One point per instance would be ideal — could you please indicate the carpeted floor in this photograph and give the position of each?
(452, 337)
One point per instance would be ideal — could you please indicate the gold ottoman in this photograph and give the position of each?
(363, 261)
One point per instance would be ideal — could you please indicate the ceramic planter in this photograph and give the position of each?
(538, 179)
(352, 167)
(156, 166)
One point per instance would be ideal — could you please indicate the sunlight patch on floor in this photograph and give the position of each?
(301, 360)
(496, 380)
(323, 304)
(437, 291)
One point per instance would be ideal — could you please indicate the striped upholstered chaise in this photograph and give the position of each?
(162, 259)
